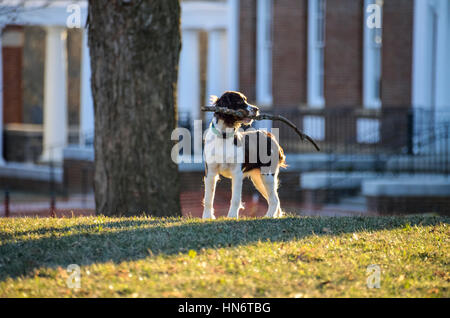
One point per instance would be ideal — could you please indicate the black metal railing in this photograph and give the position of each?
(392, 138)
(395, 140)
(417, 137)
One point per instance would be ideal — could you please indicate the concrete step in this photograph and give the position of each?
(354, 204)
(356, 200)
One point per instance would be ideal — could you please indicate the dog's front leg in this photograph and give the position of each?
(236, 188)
(210, 188)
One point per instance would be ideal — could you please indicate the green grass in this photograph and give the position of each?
(187, 257)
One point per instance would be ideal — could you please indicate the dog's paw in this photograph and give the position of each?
(208, 215)
(233, 214)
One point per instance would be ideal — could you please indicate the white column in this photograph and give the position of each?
(421, 78)
(217, 65)
(189, 74)
(442, 56)
(189, 79)
(442, 95)
(371, 60)
(315, 52)
(233, 44)
(86, 102)
(264, 53)
(2, 161)
(55, 94)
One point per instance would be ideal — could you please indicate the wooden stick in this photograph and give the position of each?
(261, 116)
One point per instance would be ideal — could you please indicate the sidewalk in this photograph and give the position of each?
(191, 205)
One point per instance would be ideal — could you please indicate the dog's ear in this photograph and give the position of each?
(213, 99)
(225, 100)
(220, 102)
(229, 103)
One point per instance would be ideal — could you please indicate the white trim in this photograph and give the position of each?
(426, 14)
(189, 74)
(404, 185)
(315, 64)
(86, 129)
(202, 15)
(335, 179)
(217, 66)
(264, 53)
(75, 152)
(421, 56)
(233, 45)
(370, 67)
(19, 170)
(194, 15)
(430, 65)
(48, 13)
(2, 160)
(55, 94)
(13, 38)
(443, 57)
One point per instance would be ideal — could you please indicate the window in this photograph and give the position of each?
(367, 131)
(264, 53)
(372, 53)
(316, 50)
(314, 126)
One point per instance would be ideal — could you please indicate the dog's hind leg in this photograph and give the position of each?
(255, 176)
(279, 212)
(270, 182)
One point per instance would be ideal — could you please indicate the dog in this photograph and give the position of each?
(233, 153)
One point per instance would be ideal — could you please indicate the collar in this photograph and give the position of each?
(219, 133)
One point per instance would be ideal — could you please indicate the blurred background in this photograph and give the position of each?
(368, 79)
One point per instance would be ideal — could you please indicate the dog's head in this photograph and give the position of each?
(234, 101)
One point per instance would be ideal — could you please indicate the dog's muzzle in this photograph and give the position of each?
(252, 110)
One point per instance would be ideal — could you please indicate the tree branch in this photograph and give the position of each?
(261, 116)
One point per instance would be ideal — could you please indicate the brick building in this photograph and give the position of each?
(321, 56)
(362, 77)
(369, 80)
(347, 71)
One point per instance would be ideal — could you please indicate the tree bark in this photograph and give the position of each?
(134, 48)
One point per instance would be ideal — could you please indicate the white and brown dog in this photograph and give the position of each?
(236, 154)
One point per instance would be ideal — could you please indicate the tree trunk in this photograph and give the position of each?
(134, 48)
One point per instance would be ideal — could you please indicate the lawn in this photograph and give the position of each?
(189, 257)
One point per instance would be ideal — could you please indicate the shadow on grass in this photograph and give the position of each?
(126, 223)
(129, 240)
